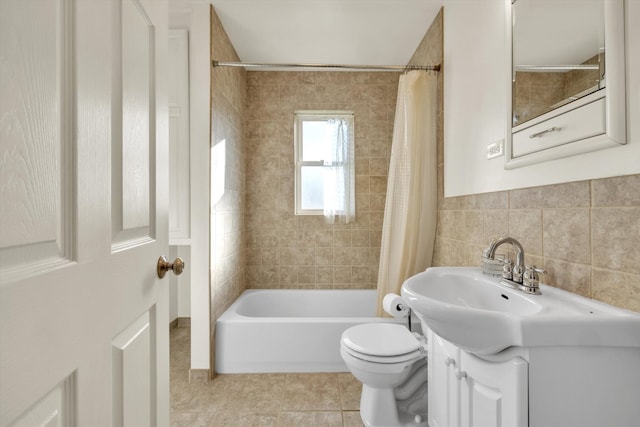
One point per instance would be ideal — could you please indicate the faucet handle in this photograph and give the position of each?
(518, 273)
(530, 279)
(507, 269)
(531, 273)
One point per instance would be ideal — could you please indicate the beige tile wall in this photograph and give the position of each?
(228, 170)
(585, 234)
(289, 251)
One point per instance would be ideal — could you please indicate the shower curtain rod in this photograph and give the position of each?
(396, 68)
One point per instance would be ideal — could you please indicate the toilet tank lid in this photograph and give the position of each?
(380, 339)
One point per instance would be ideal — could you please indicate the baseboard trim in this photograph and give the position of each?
(199, 376)
(184, 322)
(180, 322)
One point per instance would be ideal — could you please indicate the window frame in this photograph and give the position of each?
(306, 116)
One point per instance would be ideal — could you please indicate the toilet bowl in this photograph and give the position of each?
(391, 364)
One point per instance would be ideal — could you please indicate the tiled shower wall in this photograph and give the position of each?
(585, 234)
(289, 251)
(228, 170)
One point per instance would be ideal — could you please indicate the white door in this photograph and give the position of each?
(83, 213)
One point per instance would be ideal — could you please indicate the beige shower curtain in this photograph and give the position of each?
(409, 226)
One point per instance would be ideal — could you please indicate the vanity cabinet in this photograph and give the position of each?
(492, 393)
(465, 390)
(532, 387)
(501, 357)
(443, 386)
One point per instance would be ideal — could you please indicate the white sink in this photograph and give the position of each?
(477, 313)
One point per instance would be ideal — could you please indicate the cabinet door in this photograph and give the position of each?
(493, 394)
(443, 386)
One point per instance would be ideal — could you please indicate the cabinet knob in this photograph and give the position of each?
(461, 374)
(450, 361)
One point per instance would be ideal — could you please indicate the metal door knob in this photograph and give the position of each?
(164, 265)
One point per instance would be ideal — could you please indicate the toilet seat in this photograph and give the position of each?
(390, 362)
(381, 343)
(408, 357)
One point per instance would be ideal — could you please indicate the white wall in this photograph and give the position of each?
(475, 105)
(179, 173)
(180, 286)
(194, 16)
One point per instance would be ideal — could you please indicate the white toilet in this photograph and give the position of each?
(391, 363)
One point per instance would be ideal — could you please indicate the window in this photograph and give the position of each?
(324, 160)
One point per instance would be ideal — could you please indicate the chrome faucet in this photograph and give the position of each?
(515, 276)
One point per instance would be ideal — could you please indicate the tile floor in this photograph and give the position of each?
(265, 400)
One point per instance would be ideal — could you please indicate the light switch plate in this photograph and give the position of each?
(496, 149)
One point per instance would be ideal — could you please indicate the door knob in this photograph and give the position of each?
(164, 265)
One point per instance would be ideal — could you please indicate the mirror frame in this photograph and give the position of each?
(615, 94)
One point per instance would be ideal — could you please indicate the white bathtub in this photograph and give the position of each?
(281, 330)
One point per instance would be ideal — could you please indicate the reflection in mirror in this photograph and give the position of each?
(558, 54)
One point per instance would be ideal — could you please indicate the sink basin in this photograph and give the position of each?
(478, 314)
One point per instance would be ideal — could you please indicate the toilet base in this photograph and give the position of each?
(378, 409)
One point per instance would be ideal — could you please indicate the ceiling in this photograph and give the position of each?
(354, 32)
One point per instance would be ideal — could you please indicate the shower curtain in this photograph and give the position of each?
(409, 226)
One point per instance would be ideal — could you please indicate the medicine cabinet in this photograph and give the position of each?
(566, 92)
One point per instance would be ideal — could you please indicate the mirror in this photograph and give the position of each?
(558, 54)
(567, 87)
